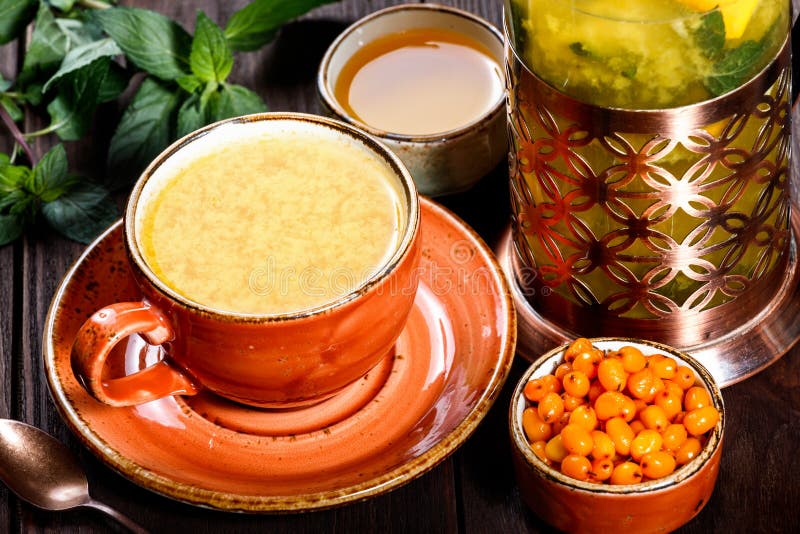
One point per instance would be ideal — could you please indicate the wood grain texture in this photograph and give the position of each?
(473, 491)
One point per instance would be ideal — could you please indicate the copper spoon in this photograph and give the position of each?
(41, 470)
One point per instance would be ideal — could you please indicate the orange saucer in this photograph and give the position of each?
(406, 415)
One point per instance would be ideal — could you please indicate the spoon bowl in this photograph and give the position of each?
(43, 471)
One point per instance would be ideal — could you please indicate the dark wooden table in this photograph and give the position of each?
(471, 491)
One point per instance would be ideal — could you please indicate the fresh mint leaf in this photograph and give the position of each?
(710, 35)
(82, 213)
(113, 84)
(71, 111)
(11, 107)
(11, 227)
(11, 199)
(81, 56)
(4, 84)
(50, 172)
(211, 59)
(143, 132)
(734, 67)
(191, 116)
(189, 83)
(255, 25)
(153, 42)
(63, 5)
(14, 16)
(12, 177)
(233, 101)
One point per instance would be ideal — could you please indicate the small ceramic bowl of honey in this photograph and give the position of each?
(426, 80)
(651, 505)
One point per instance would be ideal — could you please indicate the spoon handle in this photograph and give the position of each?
(124, 521)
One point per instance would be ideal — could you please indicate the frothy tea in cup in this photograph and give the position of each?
(265, 218)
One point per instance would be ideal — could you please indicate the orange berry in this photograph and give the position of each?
(570, 402)
(633, 360)
(561, 370)
(554, 450)
(688, 451)
(603, 448)
(577, 347)
(684, 377)
(553, 383)
(669, 402)
(535, 429)
(559, 425)
(609, 404)
(551, 407)
(576, 466)
(535, 389)
(628, 410)
(626, 473)
(664, 367)
(645, 442)
(538, 449)
(585, 362)
(584, 416)
(577, 440)
(657, 464)
(601, 470)
(594, 391)
(637, 426)
(621, 434)
(696, 397)
(640, 405)
(701, 420)
(612, 375)
(678, 418)
(654, 418)
(674, 436)
(576, 383)
(672, 387)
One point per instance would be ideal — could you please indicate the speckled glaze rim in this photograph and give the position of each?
(379, 150)
(679, 476)
(325, 93)
(390, 480)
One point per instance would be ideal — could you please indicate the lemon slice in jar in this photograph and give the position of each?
(735, 14)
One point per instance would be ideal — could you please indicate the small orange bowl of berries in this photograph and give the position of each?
(616, 435)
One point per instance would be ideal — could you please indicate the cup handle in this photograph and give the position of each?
(107, 327)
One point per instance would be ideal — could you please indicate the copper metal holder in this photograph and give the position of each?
(699, 255)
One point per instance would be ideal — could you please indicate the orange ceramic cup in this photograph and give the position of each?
(279, 360)
(570, 505)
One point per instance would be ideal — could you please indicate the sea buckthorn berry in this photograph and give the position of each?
(603, 448)
(576, 383)
(645, 442)
(550, 407)
(672, 387)
(576, 466)
(684, 377)
(644, 384)
(577, 347)
(637, 426)
(654, 418)
(657, 464)
(585, 362)
(594, 391)
(535, 429)
(601, 470)
(696, 397)
(674, 436)
(570, 402)
(612, 375)
(626, 473)
(577, 440)
(555, 450)
(701, 420)
(538, 449)
(553, 383)
(665, 367)
(535, 389)
(559, 425)
(609, 404)
(633, 360)
(640, 405)
(584, 417)
(561, 370)
(628, 410)
(679, 417)
(669, 402)
(688, 451)
(621, 434)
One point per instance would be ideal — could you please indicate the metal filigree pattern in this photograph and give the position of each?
(649, 215)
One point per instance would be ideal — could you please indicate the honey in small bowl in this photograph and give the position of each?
(420, 81)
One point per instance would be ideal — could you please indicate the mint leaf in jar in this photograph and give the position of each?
(734, 68)
(710, 34)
